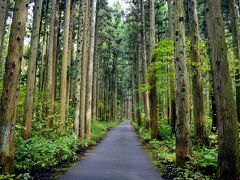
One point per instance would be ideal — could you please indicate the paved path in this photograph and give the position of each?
(118, 157)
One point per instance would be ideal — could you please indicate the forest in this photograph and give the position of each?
(75, 74)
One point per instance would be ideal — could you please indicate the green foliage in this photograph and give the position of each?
(45, 151)
(165, 131)
(99, 128)
(206, 157)
(202, 165)
(24, 176)
(145, 135)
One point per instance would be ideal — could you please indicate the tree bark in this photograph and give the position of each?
(197, 88)
(228, 136)
(78, 70)
(153, 79)
(50, 88)
(8, 106)
(234, 17)
(173, 115)
(3, 17)
(90, 70)
(65, 66)
(31, 76)
(145, 66)
(183, 143)
(137, 83)
(84, 66)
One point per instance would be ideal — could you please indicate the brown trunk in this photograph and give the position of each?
(144, 53)
(84, 65)
(71, 51)
(78, 70)
(3, 17)
(137, 94)
(153, 101)
(50, 88)
(228, 136)
(197, 88)
(173, 115)
(183, 143)
(28, 113)
(65, 66)
(233, 7)
(90, 70)
(8, 106)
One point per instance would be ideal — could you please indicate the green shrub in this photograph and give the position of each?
(46, 149)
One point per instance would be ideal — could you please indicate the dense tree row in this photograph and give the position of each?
(79, 61)
(174, 103)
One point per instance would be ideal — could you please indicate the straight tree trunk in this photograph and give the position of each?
(137, 83)
(65, 66)
(133, 95)
(153, 79)
(44, 47)
(8, 106)
(56, 45)
(145, 65)
(228, 136)
(50, 88)
(90, 70)
(3, 17)
(71, 51)
(78, 70)
(114, 87)
(31, 77)
(173, 115)
(235, 22)
(94, 101)
(138, 78)
(84, 65)
(197, 88)
(183, 143)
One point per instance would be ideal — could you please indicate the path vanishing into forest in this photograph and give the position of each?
(118, 157)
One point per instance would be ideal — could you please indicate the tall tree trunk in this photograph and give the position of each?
(50, 88)
(114, 87)
(233, 7)
(28, 113)
(133, 95)
(197, 88)
(173, 115)
(94, 95)
(44, 47)
(153, 79)
(3, 17)
(8, 106)
(145, 72)
(78, 70)
(65, 66)
(56, 47)
(183, 143)
(228, 136)
(137, 83)
(84, 71)
(71, 50)
(90, 70)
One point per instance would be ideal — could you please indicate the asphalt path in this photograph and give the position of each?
(120, 156)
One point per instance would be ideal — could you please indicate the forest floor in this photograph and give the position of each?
(119, 156)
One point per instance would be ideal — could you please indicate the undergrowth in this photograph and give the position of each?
(46, 150)
(202, 165)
